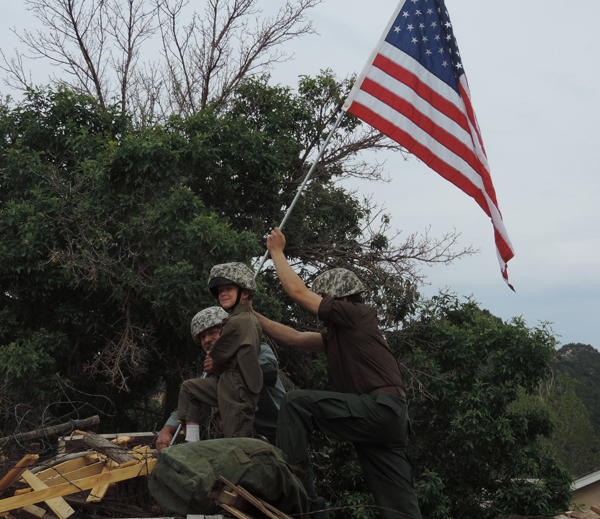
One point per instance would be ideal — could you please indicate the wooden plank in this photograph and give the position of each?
(74, 442)
(83, 472)
(63, 458)
(50, 431)
(66, 467)
(142, 469)
(17, 471)
(58, 505)
(263, 506)
(97, 493)
(32, 512)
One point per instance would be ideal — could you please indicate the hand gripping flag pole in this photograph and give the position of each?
(302, 186)
(414, 90)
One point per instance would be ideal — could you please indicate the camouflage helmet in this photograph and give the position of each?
(337, 283)
(236, 273)
(206, 319)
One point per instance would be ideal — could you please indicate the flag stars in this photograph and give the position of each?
(448, 25)
(397, 29)
(424, 38)
(429, 11)
(458, 66)
(418, 12)
(405, 14)
(444, 64)
(428, 52)
(441, 51)
(414, 40)
(434, 24)
(421, 26)
(410, 27)
(437, 37)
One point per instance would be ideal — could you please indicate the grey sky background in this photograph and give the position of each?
(532, 66)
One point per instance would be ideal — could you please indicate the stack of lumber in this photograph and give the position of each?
(90, 472)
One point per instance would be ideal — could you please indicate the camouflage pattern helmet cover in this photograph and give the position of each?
(237, 273)
(206, 319)
(338, 283)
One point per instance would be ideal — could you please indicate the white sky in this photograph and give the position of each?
(533, 73)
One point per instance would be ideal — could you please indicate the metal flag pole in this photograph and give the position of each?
(302, 186)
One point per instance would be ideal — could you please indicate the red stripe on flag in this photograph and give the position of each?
(405, 108)
(424, 91)
(471, 114)
(422, 152)
(485, 174)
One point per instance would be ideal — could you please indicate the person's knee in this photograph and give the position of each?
(294, 397)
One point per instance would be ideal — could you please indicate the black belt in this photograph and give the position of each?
(393, 390)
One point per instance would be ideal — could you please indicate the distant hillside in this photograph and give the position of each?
(582, 362)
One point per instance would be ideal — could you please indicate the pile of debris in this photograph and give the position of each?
(86, 467)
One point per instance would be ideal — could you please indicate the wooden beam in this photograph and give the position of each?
(58, 505)
(32, 512)
(75, 442)
(17, 471)
(51, 431)
(141, 469)
(97, 493)
(83, 472)
(66, 467)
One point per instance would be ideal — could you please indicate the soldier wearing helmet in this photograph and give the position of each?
(234, 353)
(205, 330)
(367, 405)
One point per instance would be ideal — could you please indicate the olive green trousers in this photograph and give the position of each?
(377, 425)
(229, 393)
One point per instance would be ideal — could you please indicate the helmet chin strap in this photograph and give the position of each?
(239, 296)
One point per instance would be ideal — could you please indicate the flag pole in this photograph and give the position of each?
(302, 186)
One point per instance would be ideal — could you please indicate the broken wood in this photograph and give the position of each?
(17, 471)
(63, 458)
(32, 512)
(83, 472)
(58, 505)
(110, 450)
(97, 493)
(141, 469)
(76, 442)
(238, 500)
(51, 431)
(66, 466)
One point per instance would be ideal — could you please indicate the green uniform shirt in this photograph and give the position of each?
(239, 345)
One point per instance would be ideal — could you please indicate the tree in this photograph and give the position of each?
(573, 441)
(476, 456)
(105, 49)
(109, 230)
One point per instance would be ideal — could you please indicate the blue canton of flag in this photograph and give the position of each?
(414, 90)
(424, 31)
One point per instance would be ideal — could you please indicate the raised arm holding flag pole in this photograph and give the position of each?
(414, 90)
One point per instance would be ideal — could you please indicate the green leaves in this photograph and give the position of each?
(475, 454)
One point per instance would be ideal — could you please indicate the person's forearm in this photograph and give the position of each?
(288, 337)
(291, 282)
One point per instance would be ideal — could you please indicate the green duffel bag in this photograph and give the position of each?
(184, 474)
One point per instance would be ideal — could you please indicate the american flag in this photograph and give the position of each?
(414, 90)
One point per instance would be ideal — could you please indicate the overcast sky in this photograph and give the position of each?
(533, 71)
